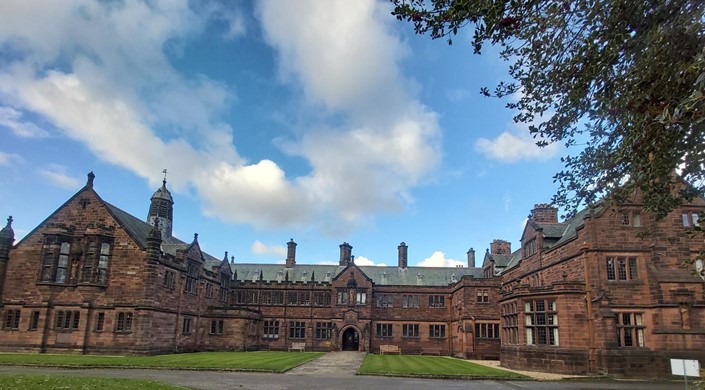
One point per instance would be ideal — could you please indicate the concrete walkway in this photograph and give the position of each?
(541, 376)
(332, 364)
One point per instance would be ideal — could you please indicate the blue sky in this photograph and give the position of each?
(321, 121)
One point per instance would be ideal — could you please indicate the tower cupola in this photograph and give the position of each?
(161, 209)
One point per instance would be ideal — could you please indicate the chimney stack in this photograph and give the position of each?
(403, 253)
(345, 254)
(471, 258)
(544, 213)
(290, 254)
(500, 247)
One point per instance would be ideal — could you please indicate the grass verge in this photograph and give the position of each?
(31, 382)
(236, 361)
(430, 366)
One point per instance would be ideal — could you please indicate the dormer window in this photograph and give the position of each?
(530, 248)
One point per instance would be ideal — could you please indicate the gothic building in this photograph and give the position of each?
(599, 293)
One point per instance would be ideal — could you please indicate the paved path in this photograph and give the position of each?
(335, 364)
(541, 376)
(210, 380)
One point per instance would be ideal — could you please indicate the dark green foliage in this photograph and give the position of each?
(622, 80)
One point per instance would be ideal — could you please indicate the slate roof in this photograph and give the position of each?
(392, 276)
(139, 230)
(571, 226)
(429, 276)
(552, 230)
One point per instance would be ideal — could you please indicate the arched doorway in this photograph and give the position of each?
(351, 340)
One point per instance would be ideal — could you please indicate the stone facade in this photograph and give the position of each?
(613, 296)
(601, 293)
(94, 279)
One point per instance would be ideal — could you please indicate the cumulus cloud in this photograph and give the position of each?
(9, 159)
(80, 66)
(260, 248)
(438, 259)
(11, 119)
(514, 146)
(57, 175)
(362, 260)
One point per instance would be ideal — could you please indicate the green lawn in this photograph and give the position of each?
(429, 366)
(249, 361)
(30, 382)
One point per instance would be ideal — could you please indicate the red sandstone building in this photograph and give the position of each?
(600, 293)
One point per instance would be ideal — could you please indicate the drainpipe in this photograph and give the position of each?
(590, 318)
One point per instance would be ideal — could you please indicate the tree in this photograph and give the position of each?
(622, 79)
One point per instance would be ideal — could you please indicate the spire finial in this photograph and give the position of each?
(89, 182)
(195, 236)
(9, 222)
(164, 171)
(226, 256)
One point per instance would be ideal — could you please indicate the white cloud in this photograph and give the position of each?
(259, 248)
(9, 159)
(10, 118)
(362, 260)
(438, 259)
(510, 147)
(56, 174)
(81, 67)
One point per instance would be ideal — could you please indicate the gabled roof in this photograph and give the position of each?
(393, 276)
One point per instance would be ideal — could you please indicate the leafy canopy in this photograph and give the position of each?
(624, 79)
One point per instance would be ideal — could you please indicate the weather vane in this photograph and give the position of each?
(164, 171)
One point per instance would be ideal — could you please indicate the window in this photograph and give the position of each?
(342, 297)
(437, 331)
(124, 322)
(321, 298)
(299, 298)
(324, 330)
(384, 330)
(271, 330)
(541, 322)
(510, 326)
(169, 279)
(384, 300)
(268, 297)
(99, 322)
(436, 301)
(246, 297)
(621, 268)
(34, 320)
(297, 330)
(691, 219)
(410, 330)
(530, 248)
(483, 295)
(55, 260)
(631, 218)
(12, 319)
(410, 301)
(191, 277)
(487, 331)
(217, 327)
(223, 294)
(361, 298)
(209, 290)
(96, 261)
(67, 320)
(630, 330)
(186, 326)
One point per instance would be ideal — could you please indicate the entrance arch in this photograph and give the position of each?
(351, 339)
